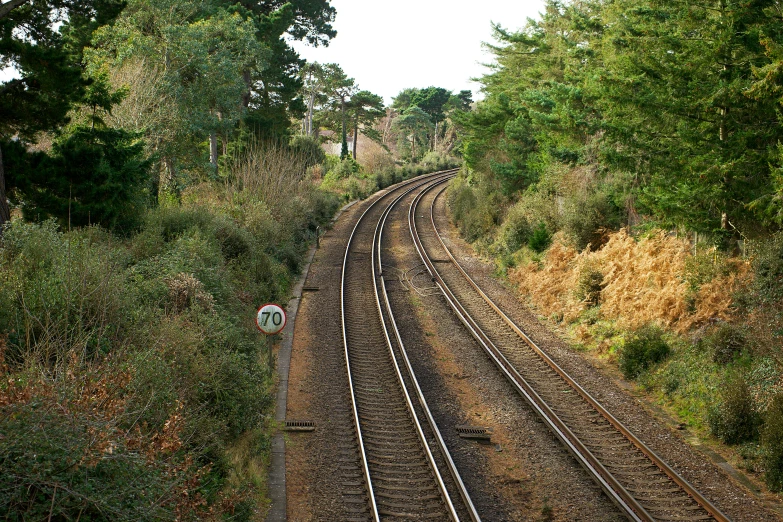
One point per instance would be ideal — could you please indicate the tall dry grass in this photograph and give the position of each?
(644, 282)
(270, 171)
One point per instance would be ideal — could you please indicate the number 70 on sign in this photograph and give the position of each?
(271, 319)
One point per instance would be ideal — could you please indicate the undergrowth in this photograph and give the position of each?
(134, 385)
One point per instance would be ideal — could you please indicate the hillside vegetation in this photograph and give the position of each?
(624, 171)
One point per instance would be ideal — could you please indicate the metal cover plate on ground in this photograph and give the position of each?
(293, 425)
(476, 433)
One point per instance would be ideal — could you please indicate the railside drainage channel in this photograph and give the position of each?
(293, 425)
(477, 433)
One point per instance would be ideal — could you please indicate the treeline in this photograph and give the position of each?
(624, 169)
(675, 106)
(119, 104)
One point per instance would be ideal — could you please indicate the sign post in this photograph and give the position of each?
(271, 320)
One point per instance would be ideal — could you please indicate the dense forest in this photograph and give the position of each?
(624, 170)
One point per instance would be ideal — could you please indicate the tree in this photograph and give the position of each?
(273, 94)
(676, 104)
(336, 88)
(414, 124)
(48, 60)
(200, 54)
(367, 108)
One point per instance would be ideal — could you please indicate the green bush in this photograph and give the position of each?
(61, 464)
(585, 217)
(768, 269)
(772, 443)
(515, 231)
(645, 348)
(92, 176)
(725, 342)
(61, 294)
(734, 419)
(165, 312)
(540, 239)
(589, 285)
(476, 211)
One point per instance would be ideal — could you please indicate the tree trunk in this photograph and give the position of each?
(249, 88)
(355, 134)
(309, 120)
(5, 211)
(343, 151)
(213, 149)
(167, 185)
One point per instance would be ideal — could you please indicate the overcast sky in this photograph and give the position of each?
(417, 43)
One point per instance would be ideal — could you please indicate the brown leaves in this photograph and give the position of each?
(643, 282)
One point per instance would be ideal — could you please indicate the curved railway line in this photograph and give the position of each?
(401, 455)
(639, 482)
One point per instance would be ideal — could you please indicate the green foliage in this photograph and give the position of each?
(135, 357)
(309, 149)
(768, 270)
(93, 175)
(540, 238)
(772, 444)
(586, 217)
(645, 348)
(734, 419)
(589, 285)
(56, 466)
(725, 342)
(515, 231)
(342, 170)
(475, 212)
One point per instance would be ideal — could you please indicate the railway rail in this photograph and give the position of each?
(400, 473)
(637, 480)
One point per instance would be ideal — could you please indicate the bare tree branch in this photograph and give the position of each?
(9, 6)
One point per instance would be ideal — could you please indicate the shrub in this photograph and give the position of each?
(476, 211)
(589, 285)
(62, 294)
(734, 419)
(645, 348)
(725, 341)
(768, 269)
(540, 239)
(772, 443)
(585, 217)
(515, 232)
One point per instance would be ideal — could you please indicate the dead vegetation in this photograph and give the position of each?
(644, 281)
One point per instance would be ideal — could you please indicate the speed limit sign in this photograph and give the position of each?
(271, 319)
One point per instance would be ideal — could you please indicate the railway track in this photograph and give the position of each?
(639, 482)
(406, 472)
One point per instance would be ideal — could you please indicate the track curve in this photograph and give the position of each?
(639, 482)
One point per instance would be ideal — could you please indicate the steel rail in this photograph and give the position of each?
(686, 487)
(614, 490)
(357, 424)
(452, 467)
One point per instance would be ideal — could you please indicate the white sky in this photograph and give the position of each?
(413, 43)
(417, 43)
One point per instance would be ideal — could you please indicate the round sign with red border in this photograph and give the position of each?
(271, 319)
